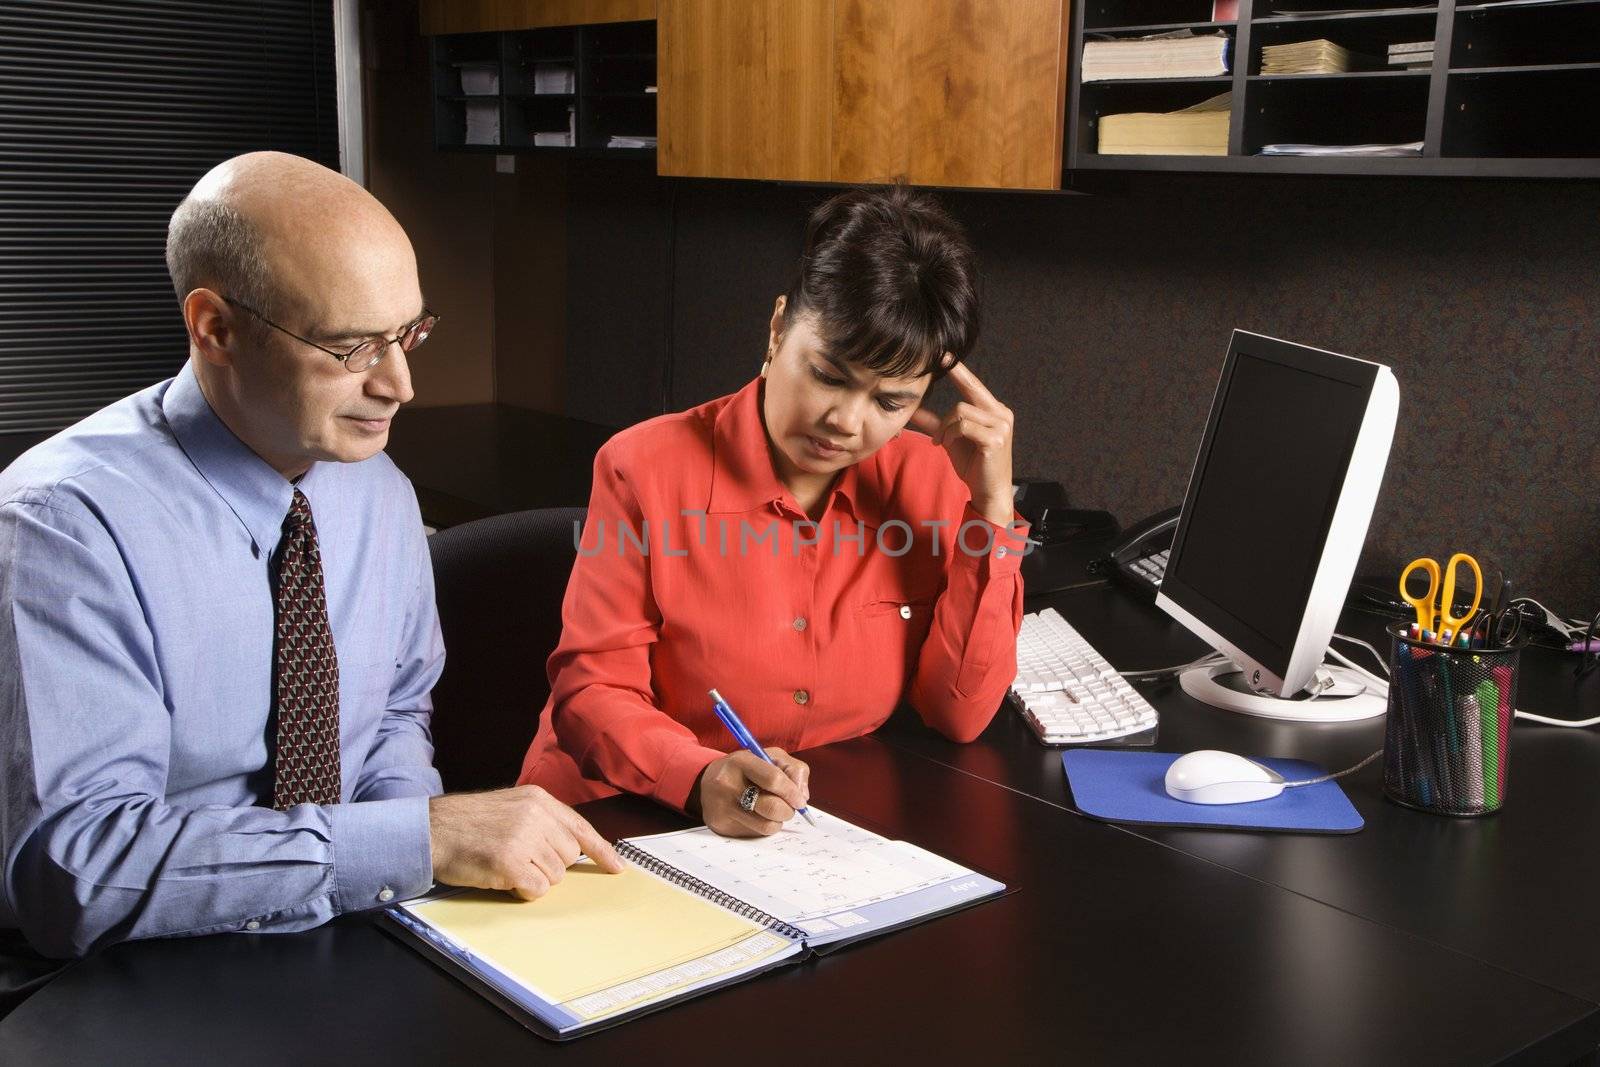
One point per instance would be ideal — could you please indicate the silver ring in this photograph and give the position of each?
(747, 799)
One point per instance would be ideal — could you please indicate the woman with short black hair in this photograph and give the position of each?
(792, 547)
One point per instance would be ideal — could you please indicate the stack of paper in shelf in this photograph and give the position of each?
(1308, 57)
(480, 78)
(1413, 148)
(553, 78)
(1201, 130)
(619, 140)
(560, 138)
(1412, 55)
(483, 122)
(1170, 55)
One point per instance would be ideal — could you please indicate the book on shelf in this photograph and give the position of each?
(1170, 55)
(1413, 55)
(689, 913)
(1224, 10)
(631, 140)
(1199, 130)
(1320, 56)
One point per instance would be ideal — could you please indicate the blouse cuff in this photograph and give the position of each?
(683, 771)
(995, 551)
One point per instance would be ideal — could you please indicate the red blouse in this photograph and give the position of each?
(697, 570)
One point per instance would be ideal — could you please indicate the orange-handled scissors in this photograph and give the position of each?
(1434, 608)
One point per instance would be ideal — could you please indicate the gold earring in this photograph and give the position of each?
(764, 365)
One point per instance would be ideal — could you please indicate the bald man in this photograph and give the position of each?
(217, 629)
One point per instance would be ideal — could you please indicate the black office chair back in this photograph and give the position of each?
(499, 584)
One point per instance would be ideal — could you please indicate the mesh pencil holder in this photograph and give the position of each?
(1449, 725)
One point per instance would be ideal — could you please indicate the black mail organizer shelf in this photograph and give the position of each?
(488, 96)
(1512, 91)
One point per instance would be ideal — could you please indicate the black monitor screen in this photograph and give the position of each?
(1264, 493)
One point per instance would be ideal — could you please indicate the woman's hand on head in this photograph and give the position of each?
(976, 434)
(784, 788)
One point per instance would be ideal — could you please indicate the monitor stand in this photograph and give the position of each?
(1223, 686)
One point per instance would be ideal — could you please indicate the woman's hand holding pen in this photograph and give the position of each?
(977, 435)
(784, 788)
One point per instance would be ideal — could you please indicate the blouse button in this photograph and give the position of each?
(801, 696)
(905, 611)
(800, 624)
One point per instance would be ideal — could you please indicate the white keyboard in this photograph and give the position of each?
(1067, 691)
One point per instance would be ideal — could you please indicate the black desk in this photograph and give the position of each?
(1516, 889)
(1110, 949)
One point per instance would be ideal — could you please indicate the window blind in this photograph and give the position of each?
(109, 112)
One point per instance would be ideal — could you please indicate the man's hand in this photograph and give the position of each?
(520, 839)
(784, 788)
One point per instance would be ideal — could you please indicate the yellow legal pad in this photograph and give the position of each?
(593, 931)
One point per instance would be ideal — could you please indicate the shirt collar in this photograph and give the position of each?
(743, 477)
(258, 495)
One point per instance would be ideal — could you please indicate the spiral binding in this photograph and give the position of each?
(628, 850)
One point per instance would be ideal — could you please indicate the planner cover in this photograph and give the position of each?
(1130, 787)
(691, 912)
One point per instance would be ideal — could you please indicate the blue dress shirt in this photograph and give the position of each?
(136, 622)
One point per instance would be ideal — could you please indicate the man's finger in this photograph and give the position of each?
(595, 847)
(532, 885)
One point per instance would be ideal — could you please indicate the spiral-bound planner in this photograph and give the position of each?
(692, 912)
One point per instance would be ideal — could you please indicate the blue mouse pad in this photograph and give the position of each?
(1130, 787)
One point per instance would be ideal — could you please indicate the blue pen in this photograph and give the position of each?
(745, 738)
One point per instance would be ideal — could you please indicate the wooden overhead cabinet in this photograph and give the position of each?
(745, 88)
(941, 92)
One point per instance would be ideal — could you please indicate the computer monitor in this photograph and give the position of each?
(1273, 523)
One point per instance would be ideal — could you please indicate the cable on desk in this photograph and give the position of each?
(1336, 774)
(1161, 672)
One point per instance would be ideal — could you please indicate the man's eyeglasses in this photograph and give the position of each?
(364, 356)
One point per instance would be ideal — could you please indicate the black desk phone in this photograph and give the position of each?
(1051, 520)
(1140, 558)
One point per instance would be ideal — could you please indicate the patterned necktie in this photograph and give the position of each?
(306, 770)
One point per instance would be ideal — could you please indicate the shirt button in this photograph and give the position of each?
(800, 624)
(253, 924)
(386, 894)
(801, 696)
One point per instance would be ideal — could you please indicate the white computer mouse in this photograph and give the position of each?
(1212, 777)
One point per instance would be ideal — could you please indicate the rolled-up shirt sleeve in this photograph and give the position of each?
(93, 852)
